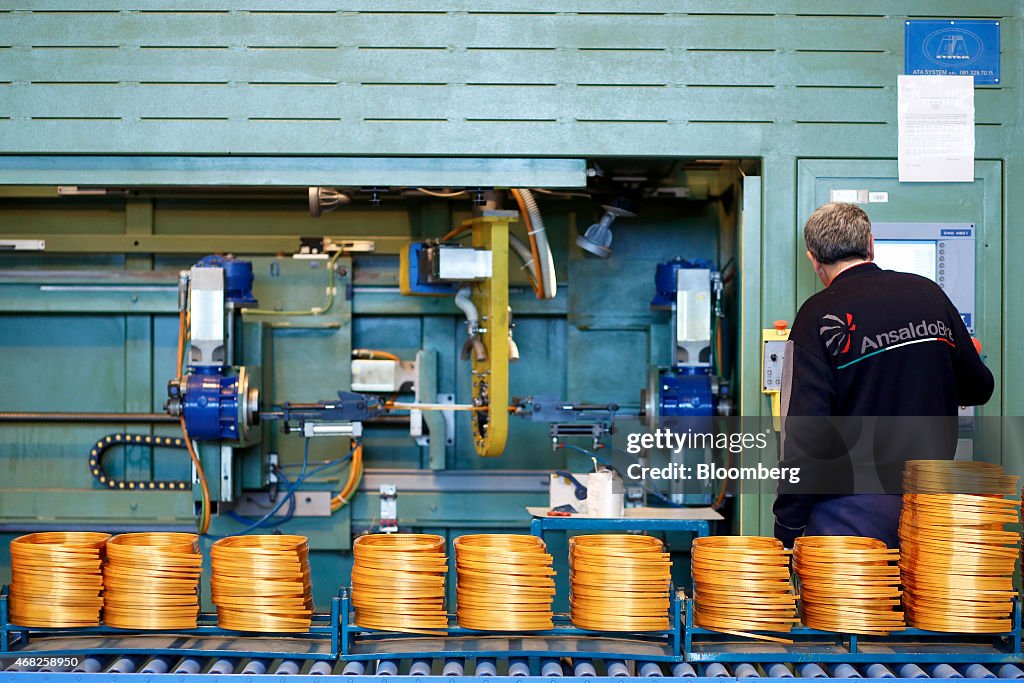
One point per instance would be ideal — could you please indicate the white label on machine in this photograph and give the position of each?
(848, 196)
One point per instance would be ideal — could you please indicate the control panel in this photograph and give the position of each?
(773, 354)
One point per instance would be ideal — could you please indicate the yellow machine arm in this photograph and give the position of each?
(490, 374)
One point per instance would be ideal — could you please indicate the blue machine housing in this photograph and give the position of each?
(683, 390)
(210, 404)
(686, 392)
(665, 279)
(238, 278)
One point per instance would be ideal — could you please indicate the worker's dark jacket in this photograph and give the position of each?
(875, 369)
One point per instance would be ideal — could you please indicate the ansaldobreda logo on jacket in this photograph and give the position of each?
(836, 332)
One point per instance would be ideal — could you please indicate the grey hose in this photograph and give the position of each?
(523, 252)
(547, 264)
(473, 343)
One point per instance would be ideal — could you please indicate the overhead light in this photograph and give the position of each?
(325, 199)
(598, 238)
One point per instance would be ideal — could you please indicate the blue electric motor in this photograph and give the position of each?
(238, 278)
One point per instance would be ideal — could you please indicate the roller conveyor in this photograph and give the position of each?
(483, 670)
(339, 650)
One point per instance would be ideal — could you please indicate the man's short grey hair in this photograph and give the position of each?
(836, 232)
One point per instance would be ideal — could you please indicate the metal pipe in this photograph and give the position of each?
(321, 668)
(683, 670)
(811, 670)
(583, 667)
(1010, 671)
(399, 420)
(157, 665)
(486, 666)
(387, 667)
(189, 665)
(912, 671)
(779, 671)
(454, 667)
(518, 666)
(944, 671)
(650, 670)
(878, 671)
(419, 667)
(716, 670)
(124, 665)
(288, 667)
(745, 671)
(222, 666)
(257, 667)
(101, 418)
(89, 665)
(845, 671)
(551, 668)
(354, 669)
(977, 671)
(616, 668)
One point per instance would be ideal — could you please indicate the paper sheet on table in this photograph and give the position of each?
(936, 128)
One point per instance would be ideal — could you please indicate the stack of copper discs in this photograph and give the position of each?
(56, 579)
(261, 583)
(957, 477)
(958, 551)
(619, 583)
(398, 582)
(741, 586)
(848, 584)
(505, 582)
(151, 581)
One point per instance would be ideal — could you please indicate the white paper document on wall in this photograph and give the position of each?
(936, 129)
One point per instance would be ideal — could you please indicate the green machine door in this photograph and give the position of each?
(984, 434)
(978, 203)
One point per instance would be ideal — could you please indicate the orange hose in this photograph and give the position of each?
(454, 232)
(179, 356)
(355, 473)
(538, 286)
(374, 354)
(204, 523)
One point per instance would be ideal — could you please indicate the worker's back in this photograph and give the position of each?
(876, 367)
(883, 343)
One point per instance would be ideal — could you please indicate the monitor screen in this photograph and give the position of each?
(907, 256)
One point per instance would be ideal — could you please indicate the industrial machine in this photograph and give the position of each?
(333, 421)
(338, 272)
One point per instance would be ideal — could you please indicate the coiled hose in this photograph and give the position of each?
(535, 225)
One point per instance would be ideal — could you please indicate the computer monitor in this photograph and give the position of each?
(908, 256)
(941, 252)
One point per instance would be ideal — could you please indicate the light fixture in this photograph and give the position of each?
(598, 238)
(325, 199)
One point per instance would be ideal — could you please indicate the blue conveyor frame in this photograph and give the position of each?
(335, 636)
(325, 629)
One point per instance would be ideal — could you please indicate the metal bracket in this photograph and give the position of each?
(449, 418)
(388, 508)
(227, 488)
(307, 504)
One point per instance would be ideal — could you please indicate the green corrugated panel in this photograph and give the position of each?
(510, 78)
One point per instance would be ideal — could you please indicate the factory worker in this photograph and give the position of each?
(875, 368)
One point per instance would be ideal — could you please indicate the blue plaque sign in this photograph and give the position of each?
(953, 47)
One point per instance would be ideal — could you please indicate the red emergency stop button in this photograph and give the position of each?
(780, 326)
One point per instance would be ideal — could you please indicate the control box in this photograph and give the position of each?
(773, 355)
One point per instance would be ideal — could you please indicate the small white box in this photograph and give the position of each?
(375, 376)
